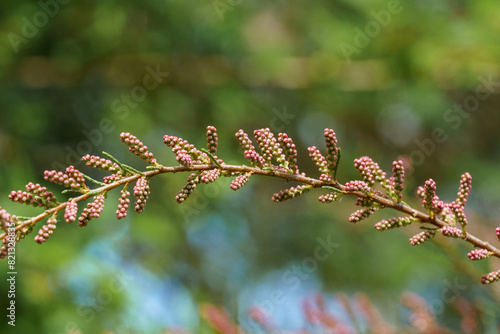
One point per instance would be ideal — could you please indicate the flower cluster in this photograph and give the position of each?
(290, 152)
(328, 198)
(447, 214)
(208, 176)
(458, 210)
(422, 237)
(269, 146)
(141, 193)
(464, 189)
(387, 224)
(360, 214)
(255, 158)
(333, 152)
(240, 181)
(212, 140)
(458, 206)
(497, 231)
(321, 162)
(93, 210)
(356, 185)
(282, 150)
(70, 212)
(4, 249)
(101, 163)
(71, 178)
(5, 219)
(245, 141)
(369, 170)
(290, 193)
(397, 179)
(479, 254)
(371, 173)
(451, 213)
(123, 203)
(137, 147)
(430, 200)
(35, 195)
(185, 153)
(192, 181)
(491, 277)
(112, 178)
(46, 231)
(451, 231)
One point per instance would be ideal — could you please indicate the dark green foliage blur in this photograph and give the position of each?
(411, 80)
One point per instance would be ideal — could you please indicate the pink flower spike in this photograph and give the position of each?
(321, 162)
(328, 198)
(361, 214)
(290, 193)
(422, 237)
(451, 231)
(123, 204)
(255, 158)
(491, 277)
(333, 152)
(245, 141)
(369, 170)
(240, 181)
(141, 193)
(192, 182)
(212, 140)
(137, 147)
(101, 163)
(93, 210)
(71, 178)
(464, 189)
(397, 179)
(208, 176)
(357, 185)
(269, 146)
(430, 200)
(290, 152)
(46, 231)
(479, 254)
(395, 222)
(70, 212)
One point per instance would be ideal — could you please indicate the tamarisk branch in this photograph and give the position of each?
(277, 158)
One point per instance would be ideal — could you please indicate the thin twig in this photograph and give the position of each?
(315, 183)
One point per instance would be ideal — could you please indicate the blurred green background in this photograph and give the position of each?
(416, 80)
